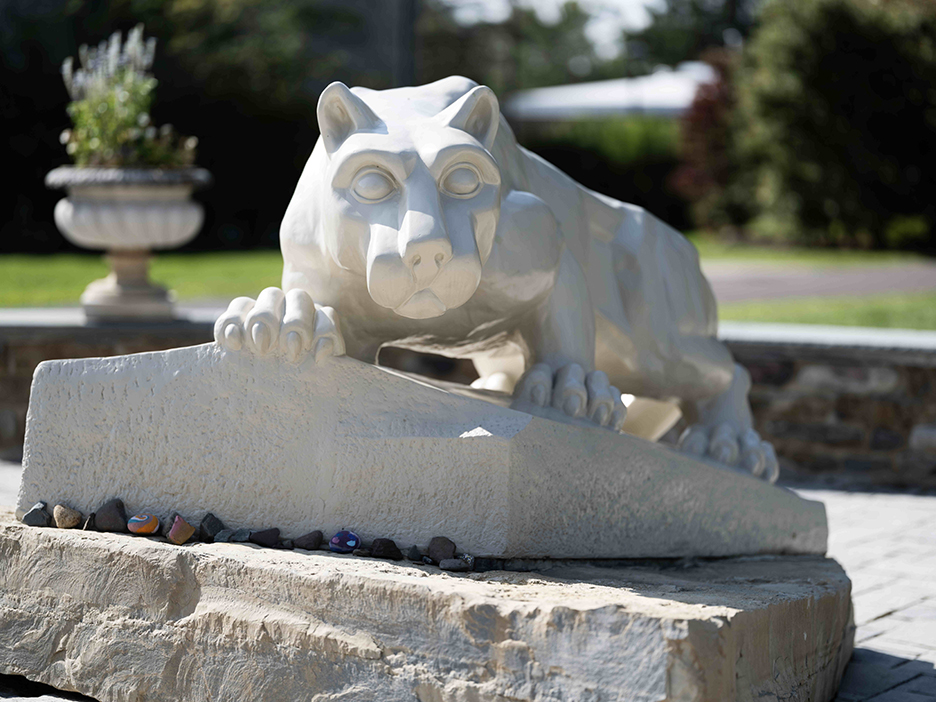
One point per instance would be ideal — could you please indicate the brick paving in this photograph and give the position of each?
(886, 541)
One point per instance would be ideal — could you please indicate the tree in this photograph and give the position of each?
(682, 30)
(708, 157)
(521, 52)
(836, 117)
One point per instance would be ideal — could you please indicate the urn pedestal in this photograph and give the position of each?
(128, 213)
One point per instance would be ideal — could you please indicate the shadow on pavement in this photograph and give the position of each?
(871, 673)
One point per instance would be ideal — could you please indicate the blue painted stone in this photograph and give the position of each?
(344, 542)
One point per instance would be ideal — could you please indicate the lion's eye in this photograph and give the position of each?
(372, 186)
(461, 181)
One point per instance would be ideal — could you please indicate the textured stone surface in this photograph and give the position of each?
(343, 444)
(225, 622)
(29, 336)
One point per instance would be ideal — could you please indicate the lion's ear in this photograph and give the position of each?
(341, 113)
(477, 113)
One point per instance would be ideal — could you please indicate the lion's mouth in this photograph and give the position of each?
(422, 304)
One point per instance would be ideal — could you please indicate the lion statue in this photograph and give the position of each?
(419, 222)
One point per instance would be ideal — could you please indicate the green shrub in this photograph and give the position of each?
(621, 140)
(836, 122)
(629, 158)
(112, 94)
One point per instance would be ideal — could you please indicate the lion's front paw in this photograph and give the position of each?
(724, 444)
(574, 392)
(290, 324)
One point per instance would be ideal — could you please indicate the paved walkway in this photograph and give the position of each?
(739, 281)
(886, 541)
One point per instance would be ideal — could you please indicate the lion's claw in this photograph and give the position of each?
(724, 445)
(574, 392)
(278, 323)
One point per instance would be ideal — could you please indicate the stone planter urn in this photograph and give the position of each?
(128, 212)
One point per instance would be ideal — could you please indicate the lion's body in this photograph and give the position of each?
(653, 313)
(420, 222)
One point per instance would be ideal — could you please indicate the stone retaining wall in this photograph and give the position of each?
(24, 344)
(856, 413)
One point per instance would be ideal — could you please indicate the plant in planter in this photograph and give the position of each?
(129, 192)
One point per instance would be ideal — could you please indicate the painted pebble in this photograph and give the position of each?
(143, 524)
(344, 542)
(181, 531)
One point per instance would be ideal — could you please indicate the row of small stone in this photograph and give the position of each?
(112, 516)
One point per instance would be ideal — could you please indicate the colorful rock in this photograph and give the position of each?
(344, 542)
(181, 531)
(143, 524)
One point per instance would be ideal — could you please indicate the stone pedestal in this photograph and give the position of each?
(119, 617)
(127, 293)
(342, 444)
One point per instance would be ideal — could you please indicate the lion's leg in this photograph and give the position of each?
(561, 339)
(723, 430)
(500, 370)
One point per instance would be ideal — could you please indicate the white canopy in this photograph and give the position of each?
(665, 92)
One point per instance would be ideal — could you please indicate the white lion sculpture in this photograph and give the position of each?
(419, 222)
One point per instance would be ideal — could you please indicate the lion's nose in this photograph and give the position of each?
(430, 254)
(427, 247)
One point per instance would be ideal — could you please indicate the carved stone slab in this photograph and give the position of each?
(121, 618)
(262, 443)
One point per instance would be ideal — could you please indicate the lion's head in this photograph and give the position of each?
(410, 194)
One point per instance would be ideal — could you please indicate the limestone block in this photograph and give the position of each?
(262, 443)
(120, 617)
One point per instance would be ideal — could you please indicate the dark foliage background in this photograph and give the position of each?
(837, 103)
(822, 130)
(240, 75)
(244, 76)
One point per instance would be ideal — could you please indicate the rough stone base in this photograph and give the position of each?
(119, 617)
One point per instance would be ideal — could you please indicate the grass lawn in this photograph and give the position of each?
(34, 280)
(712, 251)
(895, 311)
(31, 280)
